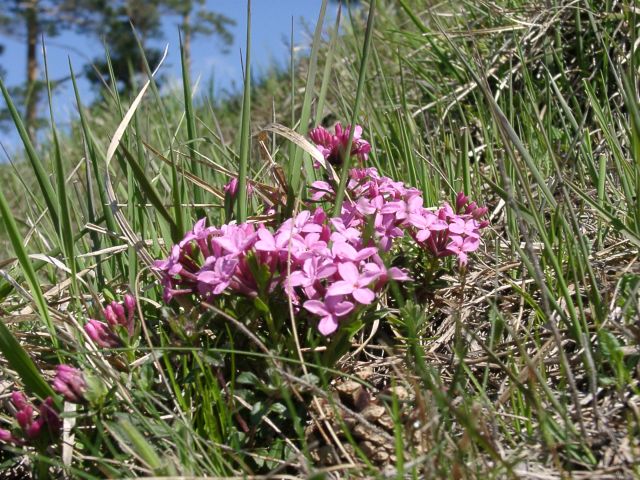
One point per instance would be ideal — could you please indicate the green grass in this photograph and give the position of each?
(524, 366)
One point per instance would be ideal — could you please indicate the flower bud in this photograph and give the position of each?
(101, 335)
(118, 309)
(19, 400)
(110, 315)
(50, 416)
(6, 436)
(69, 382)
(24, 416)
(461, 201)
(479, 212)
(34, 428)
(130, 307)
(231, 188)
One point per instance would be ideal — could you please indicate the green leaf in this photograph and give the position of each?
(141, 448)
(65, 230)
(248, 378)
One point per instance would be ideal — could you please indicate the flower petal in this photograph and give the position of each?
(328, 325)
(340, 288)
(316, 307)
(364, 295)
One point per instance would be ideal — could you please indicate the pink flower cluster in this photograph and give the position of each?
(395, 210)
(333, 145)
(70, 383)
(327, 266)
(31, 427)
(119, 319)
(326, 271)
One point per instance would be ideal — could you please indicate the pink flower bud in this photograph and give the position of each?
(231, 188)
(69, 382)
(6, 436)
(479, 212)
(33, 429)
(110, 315)
(101, 335)
(461, 201)
(19, 400)
(471, 207)
(130, 307)
(50, 416)
(24, 416)
(118, 309)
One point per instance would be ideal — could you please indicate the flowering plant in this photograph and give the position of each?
(331, 268)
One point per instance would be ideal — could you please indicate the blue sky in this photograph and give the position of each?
(271, 30)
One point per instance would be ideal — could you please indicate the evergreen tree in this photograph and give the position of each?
(28, 20)
(113, 21)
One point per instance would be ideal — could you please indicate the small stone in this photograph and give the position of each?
(373, 412)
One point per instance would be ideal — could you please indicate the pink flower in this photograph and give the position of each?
(70, 383)
(432, 224)
(326, 264)
(347, 252)
(313, 270)
(236, 239)
(320, 190)
(353, 283)
(460, 246)
(409, 212)
(343, 233)
(333, 146)
(330, 311)
(383, 275)
(464, 227)
(216, 279)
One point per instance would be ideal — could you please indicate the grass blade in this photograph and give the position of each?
(328, 66)
(344, 175)
(189, 113)
(34, 159)
(151, 193)
(245, 128)
(296, 163)
(20, 361)
(27, 267)
(64, 227)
